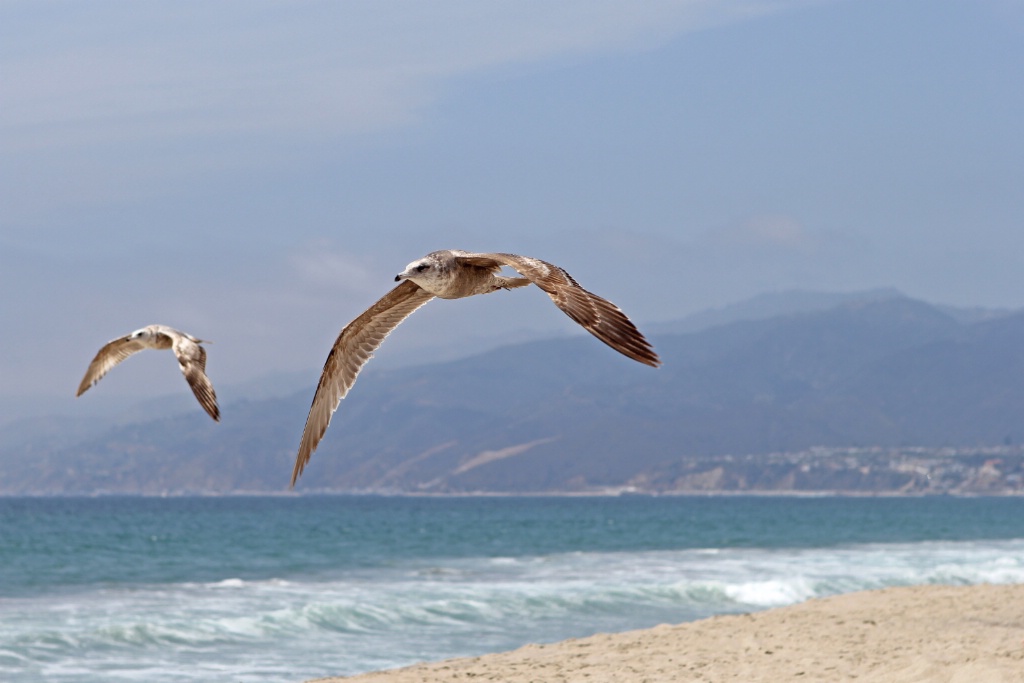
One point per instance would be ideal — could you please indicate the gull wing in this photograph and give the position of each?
(109, 355)
(353, 348)
(192, 361)
(600, 317)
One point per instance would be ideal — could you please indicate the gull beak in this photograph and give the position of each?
(399, 277)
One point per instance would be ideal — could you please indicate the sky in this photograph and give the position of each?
(256, 172)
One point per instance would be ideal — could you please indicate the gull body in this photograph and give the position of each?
(191, 359)
(456, 274)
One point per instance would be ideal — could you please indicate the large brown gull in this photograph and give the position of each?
(191, 360)
(454, 274)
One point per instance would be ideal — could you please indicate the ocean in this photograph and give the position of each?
(291, 588)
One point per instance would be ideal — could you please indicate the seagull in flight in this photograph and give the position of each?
(191, 360)
(455, 274)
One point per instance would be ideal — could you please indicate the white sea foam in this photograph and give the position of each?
(283, 630)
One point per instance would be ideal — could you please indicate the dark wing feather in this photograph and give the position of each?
(192, 361)
(353, 348)
(109, 355)
(600, 317)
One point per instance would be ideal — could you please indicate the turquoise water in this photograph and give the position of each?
(291, 588)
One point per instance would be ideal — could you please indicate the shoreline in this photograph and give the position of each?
(726, 493)
(913, 634)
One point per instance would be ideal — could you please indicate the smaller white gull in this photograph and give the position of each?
(191, 359)
(455, 274)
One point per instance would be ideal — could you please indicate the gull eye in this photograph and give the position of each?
(420, 268)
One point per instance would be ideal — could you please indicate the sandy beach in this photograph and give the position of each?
(920, 634)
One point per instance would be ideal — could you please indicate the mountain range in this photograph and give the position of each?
(876, 370)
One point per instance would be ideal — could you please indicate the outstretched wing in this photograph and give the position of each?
(112, 353)
(600, 317)
(192, 361)
(353, 348)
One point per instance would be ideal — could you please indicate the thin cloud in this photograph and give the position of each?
(128, 72)
(111, 102)
(321, 264)
(767, 230)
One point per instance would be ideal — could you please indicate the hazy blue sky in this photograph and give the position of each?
(256, 172)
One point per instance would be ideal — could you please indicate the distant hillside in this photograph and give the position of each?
(571, 415)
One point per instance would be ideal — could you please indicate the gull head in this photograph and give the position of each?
(426, 272)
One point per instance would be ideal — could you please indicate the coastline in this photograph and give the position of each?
(919, 634)
(595, 493)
